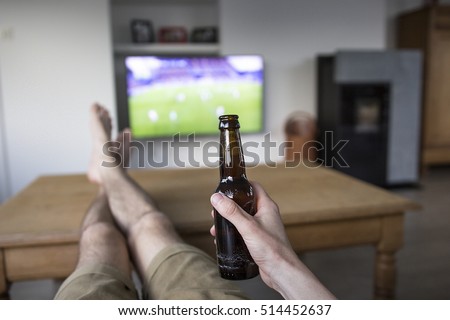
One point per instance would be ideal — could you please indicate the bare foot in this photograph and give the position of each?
(100, 123)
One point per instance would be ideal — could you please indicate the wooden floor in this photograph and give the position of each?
(423, 263)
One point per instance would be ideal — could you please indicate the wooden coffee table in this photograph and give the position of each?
(321, 208)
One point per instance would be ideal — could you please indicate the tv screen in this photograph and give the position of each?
(185, 95)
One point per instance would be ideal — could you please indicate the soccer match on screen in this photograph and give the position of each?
(170, 95)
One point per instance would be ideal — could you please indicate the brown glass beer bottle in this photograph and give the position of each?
(233, 257)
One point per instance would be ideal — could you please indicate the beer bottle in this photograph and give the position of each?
(233, 257)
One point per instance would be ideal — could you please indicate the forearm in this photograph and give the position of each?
(294, 281)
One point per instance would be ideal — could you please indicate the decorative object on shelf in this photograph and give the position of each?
(142, 31)
(204, 35)
(173, 34)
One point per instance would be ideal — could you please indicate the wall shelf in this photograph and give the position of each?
(167, 49)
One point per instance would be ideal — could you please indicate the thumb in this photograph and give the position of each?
(231, 211)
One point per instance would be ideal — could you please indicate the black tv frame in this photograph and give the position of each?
(122, 107)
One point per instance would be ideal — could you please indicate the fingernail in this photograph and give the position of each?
(215, 198)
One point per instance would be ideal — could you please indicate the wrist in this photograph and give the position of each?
(293, 280)
(285, 271)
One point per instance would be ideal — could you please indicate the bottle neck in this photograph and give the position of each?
(231, 156)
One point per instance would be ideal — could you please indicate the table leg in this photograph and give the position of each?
(385, 267)
(3, 282)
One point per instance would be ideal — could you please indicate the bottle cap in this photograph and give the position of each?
(227, 121)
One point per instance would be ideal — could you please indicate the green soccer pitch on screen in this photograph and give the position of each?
(176, 95)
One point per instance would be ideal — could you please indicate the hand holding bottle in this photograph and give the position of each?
(267, 242)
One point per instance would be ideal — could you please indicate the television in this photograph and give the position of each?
(166, 96)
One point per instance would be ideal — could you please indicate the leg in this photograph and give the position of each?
(154, 244)
(168, 268)
(139, 219)
(103, 270)
(385, 269)
(101, 242)
(133, 209)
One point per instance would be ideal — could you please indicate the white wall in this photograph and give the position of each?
(4, 172)
(53, 64)
(290, 34)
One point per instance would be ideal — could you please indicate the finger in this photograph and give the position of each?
(228, 209)
(212, 213)
(261, 196)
